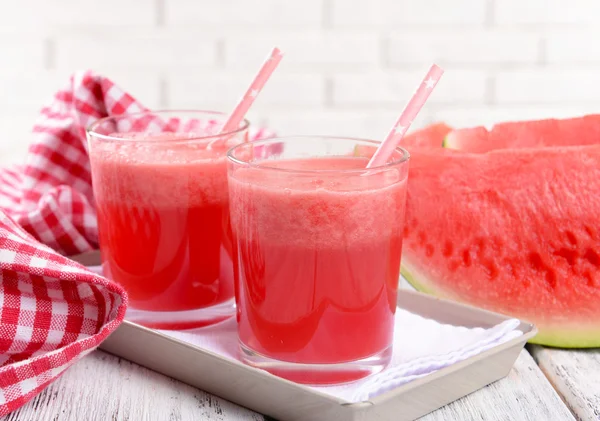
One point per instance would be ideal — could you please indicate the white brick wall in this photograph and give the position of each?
(249, 13)
(392, 88)
(578, 47)
(349, 68)
(472, 46)
(413, 13)
(545, 12)
(140, 50)
(306, 49)
(553, 86)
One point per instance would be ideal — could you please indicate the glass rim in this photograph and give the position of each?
(89, 131)
(404, 158)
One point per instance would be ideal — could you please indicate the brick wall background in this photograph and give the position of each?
(350, 65)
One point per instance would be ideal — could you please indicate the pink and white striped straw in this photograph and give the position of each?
(257, 84)
(391, 142)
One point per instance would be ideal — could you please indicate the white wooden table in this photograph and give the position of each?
(105, 387)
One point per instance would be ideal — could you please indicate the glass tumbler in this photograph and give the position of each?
(160, 186)
(317, 241)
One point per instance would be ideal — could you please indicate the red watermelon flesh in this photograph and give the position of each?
(517, 232)
(527, 134)
(428, 137)
(431, 136)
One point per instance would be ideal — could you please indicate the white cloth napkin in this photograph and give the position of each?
(421, 347)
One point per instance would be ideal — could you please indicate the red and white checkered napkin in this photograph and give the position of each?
(53, 311)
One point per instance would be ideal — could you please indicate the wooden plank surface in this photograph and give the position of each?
(575, 374)
(524, 395)
(104, 387)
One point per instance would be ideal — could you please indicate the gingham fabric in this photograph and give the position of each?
(53, 311)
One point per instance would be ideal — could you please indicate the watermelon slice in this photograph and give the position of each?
(512, 231)
(431, 136)
(428, 137)
(527, 134)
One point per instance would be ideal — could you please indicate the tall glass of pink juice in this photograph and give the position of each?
(317, 244)
(160, 186)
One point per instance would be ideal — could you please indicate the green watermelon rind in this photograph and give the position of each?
(447, 142)
(551, 337)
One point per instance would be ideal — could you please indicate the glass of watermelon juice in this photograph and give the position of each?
(160, 187)
(317, 244)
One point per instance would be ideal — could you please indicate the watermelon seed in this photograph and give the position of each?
(571, 237)
(568, 254)
(589, 230)
(466, 258)
(590, 279)
(592, 257)
(490, 268)
(536, 262)
(448, 249)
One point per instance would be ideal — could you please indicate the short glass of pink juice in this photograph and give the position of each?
(160, 187)
(317, 240)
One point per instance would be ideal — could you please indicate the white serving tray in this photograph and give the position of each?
(285, 400)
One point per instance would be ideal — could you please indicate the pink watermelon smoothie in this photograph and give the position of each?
(319, 258)
(163, 220)
(513, 231)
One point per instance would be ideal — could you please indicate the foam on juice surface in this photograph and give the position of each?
(317, 210)
(150, 169)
